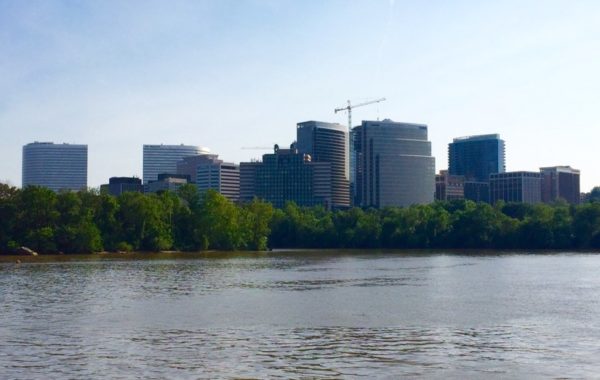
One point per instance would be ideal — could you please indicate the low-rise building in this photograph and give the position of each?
(477, 191)
(519, 186)
(118, 185)
(167, 182)
(449, 187)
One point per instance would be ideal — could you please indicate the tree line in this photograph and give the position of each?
(87, 221)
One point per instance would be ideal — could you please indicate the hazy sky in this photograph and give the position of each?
(229, 74)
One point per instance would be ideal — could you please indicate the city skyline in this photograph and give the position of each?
(226, 75)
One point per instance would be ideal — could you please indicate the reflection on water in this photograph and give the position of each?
(301, 315)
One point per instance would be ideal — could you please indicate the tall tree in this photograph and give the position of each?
(76, 231)
(256, 219)
(37, 219)
(586, 225)
(219, 222)
(595, 194)
(145, 222)
(8, 215)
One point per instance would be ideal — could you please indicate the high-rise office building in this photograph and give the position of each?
(560, 182)
(516, 187)
(353, 168)
(394, 166)
(287, 175)
(328, 142)
(162, 159)
(476, 157)
(55, 166)
(207, 171)
(248, 180)
(189, 165)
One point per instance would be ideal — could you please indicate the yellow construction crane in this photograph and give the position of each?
(349, 108)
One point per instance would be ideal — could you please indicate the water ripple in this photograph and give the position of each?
(327, 352)
(302, 317)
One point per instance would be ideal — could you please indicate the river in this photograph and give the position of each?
(309, 314)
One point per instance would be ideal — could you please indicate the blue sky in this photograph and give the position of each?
(228, 74)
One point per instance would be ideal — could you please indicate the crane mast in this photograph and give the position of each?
(349, 108)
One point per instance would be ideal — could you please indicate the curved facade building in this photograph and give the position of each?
(328, 142)
(55, 166)
(394, 166)
(161, 159)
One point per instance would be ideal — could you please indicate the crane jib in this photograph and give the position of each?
(350, 106)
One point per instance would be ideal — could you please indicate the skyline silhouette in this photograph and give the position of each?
(230, 74)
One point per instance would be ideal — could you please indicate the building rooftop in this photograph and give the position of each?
(560, 168)
(515, 173)
(201, 148)
(48, 143)
(322, 124)
(494, 136)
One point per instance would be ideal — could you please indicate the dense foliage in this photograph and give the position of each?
(456, 224)
(83, 222)
(80, 222)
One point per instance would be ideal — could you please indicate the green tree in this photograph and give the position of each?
(595, 194)
(37, 219)
(8, 214)
(76, 231)
(536, 228)
(256, 220)
(586, 225)
(107, 220)
(562, 226)
(357, 228)
(145, 222)
(477, 226)
(419, 226)
(219, 222)
(516, 210)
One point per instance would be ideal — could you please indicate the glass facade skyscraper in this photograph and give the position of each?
(162, 159)
(393, 164)
(55, 166)
(328, 142)
(287, 175)
(476, 157)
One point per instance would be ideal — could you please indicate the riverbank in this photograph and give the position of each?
(86, 222)
(180, 255)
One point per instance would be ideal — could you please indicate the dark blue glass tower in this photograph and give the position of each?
(476, 157)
